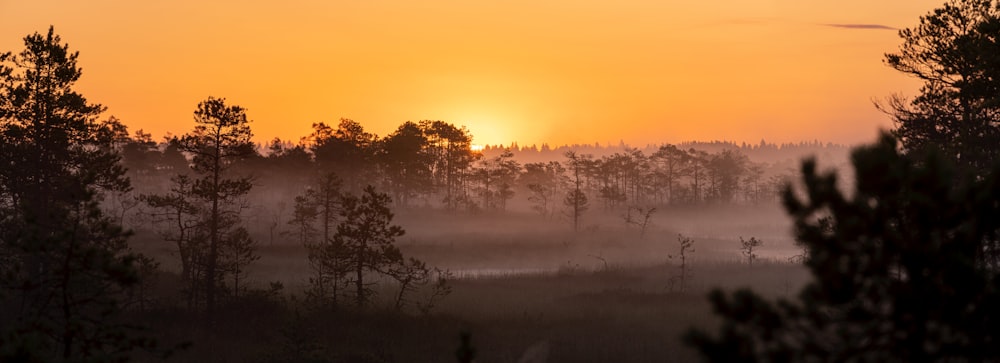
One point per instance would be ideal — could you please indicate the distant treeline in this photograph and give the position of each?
(763, 151)
(432, 164)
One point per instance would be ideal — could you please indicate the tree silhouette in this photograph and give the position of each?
(406, 158)
(753, 184)
(671, 162)
(747, 247)
(451, 149)
(180, 211)
(411, 274)
(64, 264)
(238, 251)
(954, 52)
(496, 178)
(544, 182)
(641, 220)
(139, 154)
(315, 215)
(221, 137)
(897, 269)
(696, 165)
(725, 169)
(685, 249)
(286, 165)
(611, 172)
(367, 234)
(576, 199)
(347, 151)
(172, 160)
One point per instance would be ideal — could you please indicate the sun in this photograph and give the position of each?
(488, 131)
(477, 147)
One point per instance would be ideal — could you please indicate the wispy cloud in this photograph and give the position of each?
(861, 26)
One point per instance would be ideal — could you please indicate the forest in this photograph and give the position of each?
(421, 245)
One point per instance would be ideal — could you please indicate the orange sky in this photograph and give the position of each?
(568, 71)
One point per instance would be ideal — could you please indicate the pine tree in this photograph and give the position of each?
(221, 137)
(64, 264)
(954, 52)
(898, 267)
(367, 234)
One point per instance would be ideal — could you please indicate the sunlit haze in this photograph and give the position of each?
(557, 72)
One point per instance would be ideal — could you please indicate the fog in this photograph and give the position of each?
(519, 279)
(422, 245)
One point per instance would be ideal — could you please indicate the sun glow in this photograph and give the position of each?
(477, 147)
(638, 71)
(488, 130)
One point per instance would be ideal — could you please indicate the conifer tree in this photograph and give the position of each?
(64, 264)
(898, 269)
(221, 137)
(368, 235)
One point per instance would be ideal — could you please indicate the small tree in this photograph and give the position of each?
(576, 199)
(748, 246)
(411, 274)
(576, 203)
(320, 204)
(441, 289)
(303, 221)
(540, 197)
(330, 262)
(645, 215)
(686, 247)
(367, 234)
(180, 214)
(238, 252)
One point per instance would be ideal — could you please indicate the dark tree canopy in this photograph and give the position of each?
(346, 151)
(955, 52)
(64, 264)
(901, 272)
(407, 162)
(450, 147)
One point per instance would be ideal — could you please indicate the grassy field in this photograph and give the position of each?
(601, 295)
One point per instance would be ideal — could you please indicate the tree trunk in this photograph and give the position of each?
(359, 271)
(213, 248)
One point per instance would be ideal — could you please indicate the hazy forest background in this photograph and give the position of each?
(419, 245)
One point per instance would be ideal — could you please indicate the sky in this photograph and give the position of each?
(526, 71)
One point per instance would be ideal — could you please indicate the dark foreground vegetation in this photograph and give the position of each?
(350, 247)
(630, 313)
